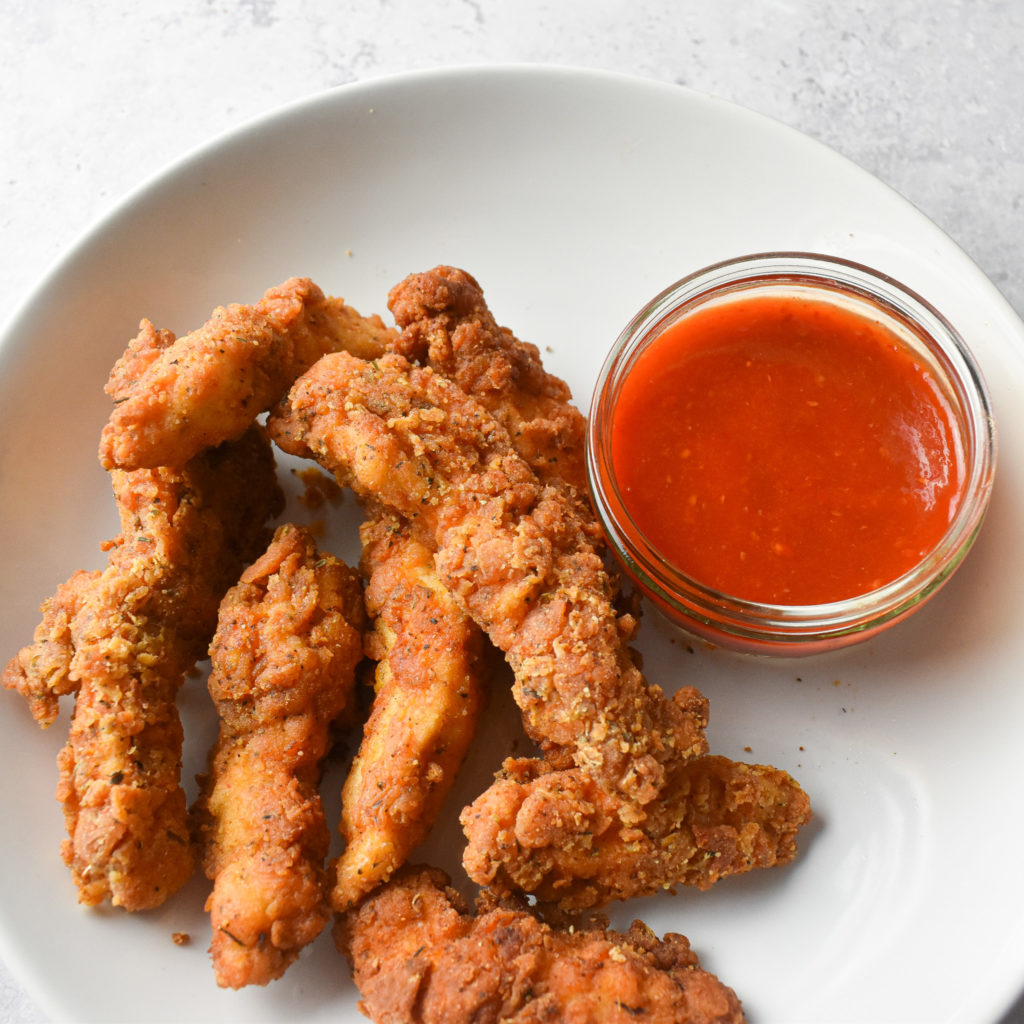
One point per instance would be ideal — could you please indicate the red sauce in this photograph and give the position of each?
(785, 450)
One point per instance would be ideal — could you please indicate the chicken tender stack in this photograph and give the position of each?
(468, 458)
(428, 689)
(514, 552)
(284, 657)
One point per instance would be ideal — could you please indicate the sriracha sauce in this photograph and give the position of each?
(785, 450)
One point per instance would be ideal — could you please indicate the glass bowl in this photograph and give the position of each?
(938, 353)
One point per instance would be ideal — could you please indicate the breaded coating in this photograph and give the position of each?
(513, 550)
(557, 836)
(418, 957)
(288, 641)
(429, 693)
(150, 537)
(41, 671)
(139, 626)
(447, 325)
(175, 397)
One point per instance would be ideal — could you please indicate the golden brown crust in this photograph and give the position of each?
(284, 656)
(556, 835)
(447, 325)
(41, 671)
(513, 550)
(140, 625)
(419, 958)
(177, 396)
(429, 693)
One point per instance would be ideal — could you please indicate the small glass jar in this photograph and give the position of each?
(797, 629)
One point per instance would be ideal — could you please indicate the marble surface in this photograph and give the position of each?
(99, 96)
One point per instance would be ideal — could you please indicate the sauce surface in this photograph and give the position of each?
(785, 450)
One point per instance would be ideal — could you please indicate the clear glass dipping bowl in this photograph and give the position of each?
(797, 629)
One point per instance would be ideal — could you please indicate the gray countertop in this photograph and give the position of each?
(99, 95)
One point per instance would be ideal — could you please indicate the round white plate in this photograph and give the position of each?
(573, 196)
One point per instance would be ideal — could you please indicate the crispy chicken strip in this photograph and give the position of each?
(447, 325)
(511, 549)
(418, 957)
(429, 692)
(288, 640)
(177, 397)
(138, 627)
(558, 837)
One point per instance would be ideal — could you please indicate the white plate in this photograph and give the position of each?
(573, 196)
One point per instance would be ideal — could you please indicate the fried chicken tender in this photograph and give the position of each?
(557, 836)
(418, 957)
(176, 397)
(136, 629)
(288, 641)
(511, 549)
(447, 325)
(429, 693)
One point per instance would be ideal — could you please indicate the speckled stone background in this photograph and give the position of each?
(96, 97)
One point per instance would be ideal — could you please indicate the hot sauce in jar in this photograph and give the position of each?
(786, 450)
(788, 457)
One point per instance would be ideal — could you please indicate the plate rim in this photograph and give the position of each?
(120, 206)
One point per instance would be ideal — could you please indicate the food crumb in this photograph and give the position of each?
(748, 749)
(181, 938)
(319, 487)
